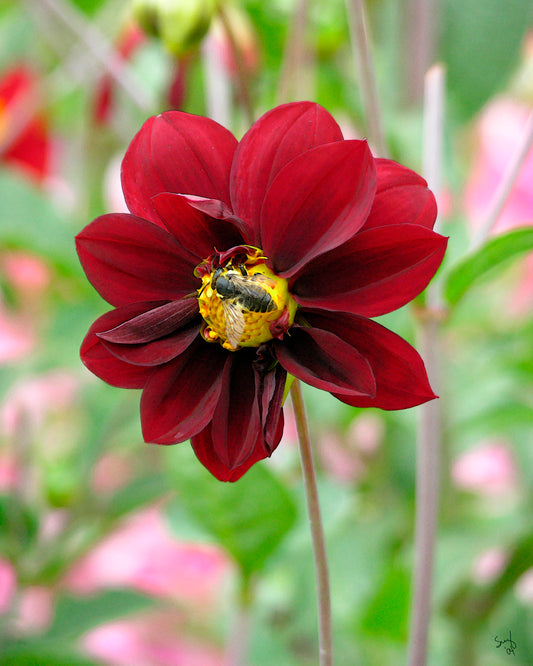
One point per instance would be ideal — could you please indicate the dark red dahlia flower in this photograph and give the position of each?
(244, 261)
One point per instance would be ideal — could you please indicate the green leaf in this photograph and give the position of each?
(387, 613)
(33, 653)
(494, 254)
(19, 526)
(28, 221)
(481, 42)
(75, 615)
(472, 605)
(248, 518)
(139, 492)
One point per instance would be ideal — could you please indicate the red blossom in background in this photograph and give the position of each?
(349, 235)
(24, 138)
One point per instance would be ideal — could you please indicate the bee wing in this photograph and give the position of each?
(234, 319)
(244, 281)
(264, 279)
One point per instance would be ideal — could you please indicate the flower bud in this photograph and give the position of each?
(180, 24)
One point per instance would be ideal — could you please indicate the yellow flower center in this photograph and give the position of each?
(245, 304)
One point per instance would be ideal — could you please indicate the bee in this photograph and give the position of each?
(240, 292)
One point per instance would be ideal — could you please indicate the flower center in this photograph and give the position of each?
(243, 303)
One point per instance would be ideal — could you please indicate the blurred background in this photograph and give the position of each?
(117, 552)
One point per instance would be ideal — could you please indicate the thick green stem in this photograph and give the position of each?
(317, 532)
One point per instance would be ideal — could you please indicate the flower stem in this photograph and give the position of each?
(317, 532)
(429, 439)
(243, 78)
(367, 79)
(294, 69)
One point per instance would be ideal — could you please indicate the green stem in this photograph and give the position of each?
(317, 532)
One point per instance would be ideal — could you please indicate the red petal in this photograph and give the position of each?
(402, 197)
(153, 324)
(157, 336)
(401, 378)
(101, 362)
(236, 426)
(375, 272)
(157, 352)
(180, 397)
(316, 203)
(177, 152)
(128, 259)
(324, 360)
(270, 387)
(202, 444)
(197, 232)
(272, 142)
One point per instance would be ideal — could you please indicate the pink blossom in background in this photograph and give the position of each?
(111, 472)
(27, 273)
(35, 609)
(366, 433)
(489, 565)
(524, 587)
(500, 132)
(9, 471)
(17, 339)
(32, 400)
(143, 555)
(148, 643)
(488, 469)
(339, 460)
(8, 585)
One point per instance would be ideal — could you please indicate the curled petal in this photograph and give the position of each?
(99, 359)
(153, 324)
(197, 233)
(402, 197)
(218, 210)
(375, 272)
(401, 378)
(202, 443)
(180, 397)
(317, 202)
(270, 387)
(156, 352)
(128, 259)
(177, 152)
(324, 360)
(272, 142)
(236, 425)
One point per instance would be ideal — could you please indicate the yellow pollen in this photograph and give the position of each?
(241, 304)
